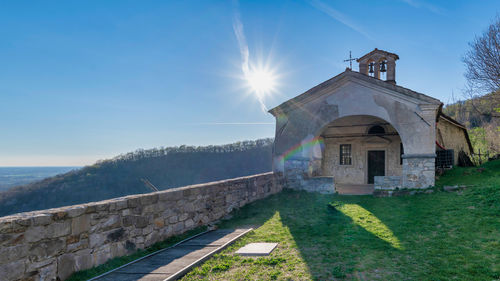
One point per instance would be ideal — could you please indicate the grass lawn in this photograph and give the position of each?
(438, 236)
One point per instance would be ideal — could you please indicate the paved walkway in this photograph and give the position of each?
(172, 263)
(354, 189)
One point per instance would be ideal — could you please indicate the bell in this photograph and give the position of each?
(371, 67)
(382, 67)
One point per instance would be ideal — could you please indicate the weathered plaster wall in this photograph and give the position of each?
(452, 137)
(51, 244)
(415, 123)
(301, 122)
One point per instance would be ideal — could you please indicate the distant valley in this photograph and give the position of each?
(14, 176)
(135, 172)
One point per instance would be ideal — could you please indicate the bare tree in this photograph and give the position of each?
(482, 63)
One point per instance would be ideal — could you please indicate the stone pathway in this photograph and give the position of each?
(173, 263)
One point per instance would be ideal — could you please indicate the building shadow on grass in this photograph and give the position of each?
(335, 242)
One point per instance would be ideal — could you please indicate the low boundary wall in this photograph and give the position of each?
(52, 244)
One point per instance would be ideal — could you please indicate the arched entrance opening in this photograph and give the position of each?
(360, 152)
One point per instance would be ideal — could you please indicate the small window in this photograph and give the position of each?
(401, 152)
(345, 154)
(376, 130)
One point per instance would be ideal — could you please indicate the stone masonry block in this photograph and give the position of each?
(13, 253)
(46, 249)
(41, 219)
(13, 270)
(65, 266)
(80, 224)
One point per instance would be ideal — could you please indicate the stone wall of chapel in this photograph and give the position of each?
(357, 173)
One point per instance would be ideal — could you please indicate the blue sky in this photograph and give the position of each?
(88, 80)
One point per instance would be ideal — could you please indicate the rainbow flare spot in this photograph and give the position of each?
(298, 148)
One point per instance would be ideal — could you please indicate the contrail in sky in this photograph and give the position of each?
(242, 42)
(338, 16)
(236, 123)
(245, 54)
(421, 4)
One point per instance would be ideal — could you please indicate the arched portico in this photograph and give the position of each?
(360, 151)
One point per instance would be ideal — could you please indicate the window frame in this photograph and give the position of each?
(345, 155)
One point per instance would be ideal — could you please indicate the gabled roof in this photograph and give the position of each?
(385, 53)
(451, 120)
(352, 75)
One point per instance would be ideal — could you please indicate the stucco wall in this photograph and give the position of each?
(299, 122)
(452, 137)
(298, 126)
(50, 244)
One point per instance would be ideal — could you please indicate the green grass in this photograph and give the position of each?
(438, 236)
(117, 262)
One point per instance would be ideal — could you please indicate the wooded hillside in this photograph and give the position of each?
(125, 174)
(481, 116)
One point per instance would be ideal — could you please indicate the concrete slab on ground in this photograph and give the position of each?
(172, 263)
(257, 249)
(354, 189)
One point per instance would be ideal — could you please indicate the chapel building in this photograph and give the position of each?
(359, 132)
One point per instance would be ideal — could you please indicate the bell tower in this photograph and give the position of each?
(379, 63)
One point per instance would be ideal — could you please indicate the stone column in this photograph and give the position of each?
(391, 71)
(418, 170)
(376, 69)
(363, 68)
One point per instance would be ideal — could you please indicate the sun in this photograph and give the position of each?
(261, 81)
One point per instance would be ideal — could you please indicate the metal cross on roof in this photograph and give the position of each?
(350, 60)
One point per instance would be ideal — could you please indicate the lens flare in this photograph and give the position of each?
(261, 81)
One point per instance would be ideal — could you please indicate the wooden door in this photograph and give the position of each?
(376, 164)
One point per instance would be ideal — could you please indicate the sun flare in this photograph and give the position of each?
(261, 81)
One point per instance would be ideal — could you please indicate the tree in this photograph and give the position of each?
(482, 63)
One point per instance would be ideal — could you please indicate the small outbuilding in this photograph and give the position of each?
(360, 131)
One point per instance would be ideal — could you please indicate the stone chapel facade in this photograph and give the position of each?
(358, 129)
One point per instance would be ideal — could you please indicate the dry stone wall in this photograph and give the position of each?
(52, 244)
